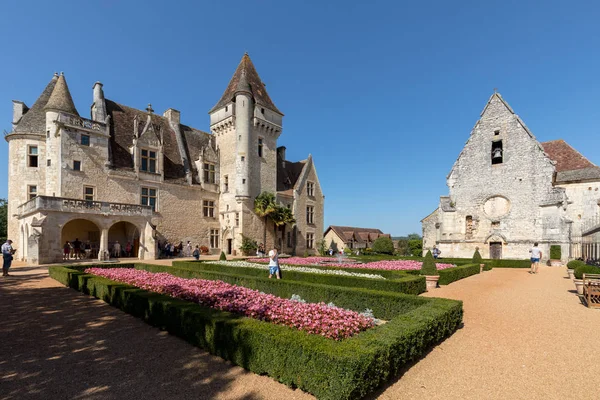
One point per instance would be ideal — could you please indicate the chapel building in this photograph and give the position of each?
(130, 175)
(507, 191)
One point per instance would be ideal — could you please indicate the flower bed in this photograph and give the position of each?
(389, 265)
(320, 319)
(246, 264)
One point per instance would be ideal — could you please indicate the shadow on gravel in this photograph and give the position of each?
(58, 343)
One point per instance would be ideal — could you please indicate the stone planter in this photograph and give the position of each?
(556, 263)
(579, 286)
(481, 268)
(431, 281)
(571, 273)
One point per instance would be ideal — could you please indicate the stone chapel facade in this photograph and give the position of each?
(131, 175)
(507, 191)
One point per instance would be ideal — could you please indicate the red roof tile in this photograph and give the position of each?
(566, 157)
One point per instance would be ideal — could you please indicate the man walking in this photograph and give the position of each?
(7, 256)
(536, 255)
(436, 252)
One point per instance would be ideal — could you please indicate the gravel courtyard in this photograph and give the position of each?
(524, 337)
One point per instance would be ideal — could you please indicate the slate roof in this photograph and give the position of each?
(566, 157)
(287, 174)
(60, 99)
(583, 174)
(122, 134)
(35, 119)
(246, 78)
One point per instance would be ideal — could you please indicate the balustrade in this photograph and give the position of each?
(59, 204)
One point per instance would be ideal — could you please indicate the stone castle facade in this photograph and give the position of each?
(507, 191)
(131, 175)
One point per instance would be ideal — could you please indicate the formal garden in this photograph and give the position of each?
(337, 328)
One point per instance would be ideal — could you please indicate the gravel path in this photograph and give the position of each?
(522, 338)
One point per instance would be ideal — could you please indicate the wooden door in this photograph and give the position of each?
(496, 250)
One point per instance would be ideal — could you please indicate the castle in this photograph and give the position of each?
(508, 191)
(130, 175)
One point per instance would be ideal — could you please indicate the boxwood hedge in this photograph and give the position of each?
(329, 369)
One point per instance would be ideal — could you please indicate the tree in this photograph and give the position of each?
(416, 247)
(383, 245)
(413, 236)
(264, 206)
(322, 247)
(428, 267)
(3, 220)
(281, 217)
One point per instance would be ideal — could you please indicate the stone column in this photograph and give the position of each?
(103, 244)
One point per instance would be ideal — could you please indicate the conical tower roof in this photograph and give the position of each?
(61, 99)
(246, 78)
(35, 119)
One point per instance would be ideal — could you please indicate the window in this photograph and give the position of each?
(76, 165)
(262, 110)
(497, 132)
(214, 238)
(48, 134)
(31, 191)
(209, 173)
(85, 140)
(243, 158)
(260, 147)
(226, 108)
(32, 152)
(237, 219)
(310, 189)
(310, 237)
(48, 162)
(469, 227)
(149, 197)
(148, 161)
(310, 213)
(289, 239)
(497, 152)
(88, 193)
(226, 184)
(208, 208)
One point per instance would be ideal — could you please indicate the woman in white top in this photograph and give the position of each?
(274, 264)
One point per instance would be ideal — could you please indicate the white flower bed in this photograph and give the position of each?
(245, 264)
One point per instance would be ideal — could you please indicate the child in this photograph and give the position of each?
(196, 253)
(274, 264)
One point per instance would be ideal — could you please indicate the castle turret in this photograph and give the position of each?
(244, 108)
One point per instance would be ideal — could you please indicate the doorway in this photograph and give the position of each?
(229, 246)
(495, 250)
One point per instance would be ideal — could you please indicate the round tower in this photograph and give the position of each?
(244, 109)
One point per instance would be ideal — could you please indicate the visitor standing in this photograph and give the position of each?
(77, 248)
(128, 249)
(7, 256)
(274, 263)
(436, 252)
(117, 249)
(87, 248)
(188, 249)
(66, 250)
(196, 253)
(536, 256)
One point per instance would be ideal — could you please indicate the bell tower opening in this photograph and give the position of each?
(497, 152)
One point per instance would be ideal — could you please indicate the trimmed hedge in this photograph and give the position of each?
(585, 269)
(450, 275)
(329, 369)
(400, 283)
(575, 263)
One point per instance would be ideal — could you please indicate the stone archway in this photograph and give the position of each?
(82, 230)
(124, 233)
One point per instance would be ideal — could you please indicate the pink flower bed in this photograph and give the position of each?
(384, 264)
(320, 319)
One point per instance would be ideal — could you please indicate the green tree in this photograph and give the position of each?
(322, 247)
(264, 206)
(281, 217)
(248, 246)
(416, 247)
(428, 267)
(383, 245)
(3, 220)
(413, 236)
(223, 257)
(477, 257)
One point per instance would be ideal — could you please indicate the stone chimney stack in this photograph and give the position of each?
(281, 152)
(19, 109)
(173, 116)
(99, 106)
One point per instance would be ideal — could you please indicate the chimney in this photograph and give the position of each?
(19, 109)
(99, 106)
(173, 116)
(281, 152)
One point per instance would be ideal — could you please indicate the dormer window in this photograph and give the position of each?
(497, 152)
(148, 161)
(209, 173)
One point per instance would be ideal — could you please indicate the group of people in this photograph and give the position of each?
(119, 251)
(170, 250)
(77, 250)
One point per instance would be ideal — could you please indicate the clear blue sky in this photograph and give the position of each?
(383, 94)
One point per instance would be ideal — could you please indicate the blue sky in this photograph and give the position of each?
(383, 94)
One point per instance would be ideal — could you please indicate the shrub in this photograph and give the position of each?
(223, 256)
(248, 246)
(347, 369)
(305, 252)
(555, 252)
(573, 264)
(348, 251)
(585, 269)
(477, 257)
(428, 267)
(383, 245)
(322, 247)
(450, 275)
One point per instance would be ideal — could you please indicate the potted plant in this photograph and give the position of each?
(478, 260)
(429, 270)
(579, 271)
(555, 255)
(572, 265)
(249, 246)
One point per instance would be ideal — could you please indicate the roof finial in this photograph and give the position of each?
(56, 74)
(495, 90)
(62, 73)
(149, 108)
